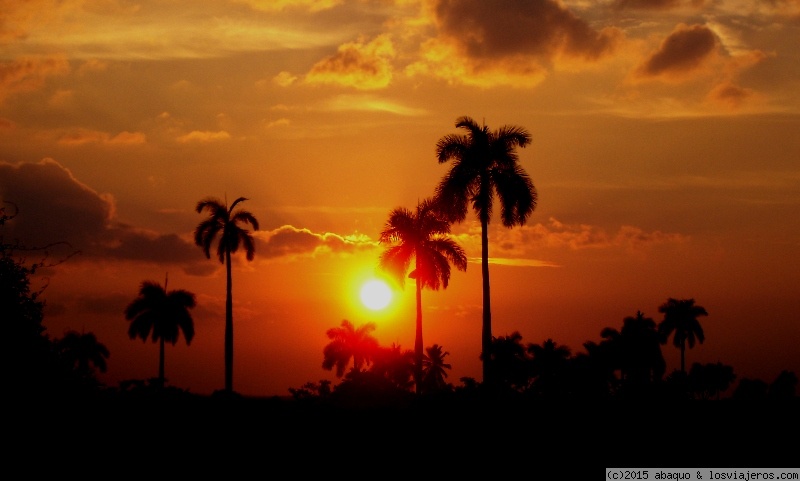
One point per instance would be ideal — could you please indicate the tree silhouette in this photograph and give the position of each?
(549, 363)
(635, 351)
(225, 224)
(680, 318)
(484, 163)
(422, 236)
(395, 364)
(783, 387)
(161, 315)
(83, 353)
(435, 369)
(510, 364)
(710, 380)
(349, 342)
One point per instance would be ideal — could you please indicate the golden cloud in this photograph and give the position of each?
(362, 65)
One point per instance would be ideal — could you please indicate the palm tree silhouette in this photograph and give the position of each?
(484, 163)
(680, 318)
(396, 365)
(83, 353)
(434, 367)
(421, 235)
(225, 223)
(549, 363)
(162, 315)
(349, 342)
(636, 351)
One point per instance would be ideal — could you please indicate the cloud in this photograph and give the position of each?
(370, 103)
(54, 206)
(524, 245)
(364, 66)
(280, 5)
(203, 136)
(730, 95)
(284, 79)
(288, 241)
(509, 41)
(682, 53)
(29, 73)
(85, 136)
(555, 234)
(652, 4)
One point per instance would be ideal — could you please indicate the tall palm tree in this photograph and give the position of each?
(349, 342)
(161, 315)
(225, 223)
(680, 318)
(485, 163)
(422, 236)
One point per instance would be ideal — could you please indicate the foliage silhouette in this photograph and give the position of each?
(635, 351)
(421, 236)
(783, 387)
(35, 367)
(224, 224)
(435, 370)
(84, 354)
(161, 315)
(680, 320)
(395, 364)
(485, 163)
(707, 381)
(349, 342)
(549, 367)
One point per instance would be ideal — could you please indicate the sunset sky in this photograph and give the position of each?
(665, 152)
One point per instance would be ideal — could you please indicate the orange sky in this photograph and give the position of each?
(665, 154)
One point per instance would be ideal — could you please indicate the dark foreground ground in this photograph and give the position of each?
(273, 438)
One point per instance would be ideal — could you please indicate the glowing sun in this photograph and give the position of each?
(375, 294)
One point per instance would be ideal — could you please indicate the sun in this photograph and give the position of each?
(376, 294)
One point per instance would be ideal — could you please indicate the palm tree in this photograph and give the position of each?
(161, 315)
(225, 222)
(549, 363)
(421, 235)
(396, 365)
(636, 351)
(435, 373)
(349, 342)
(83, 353)
(484, 163)
(680, 318)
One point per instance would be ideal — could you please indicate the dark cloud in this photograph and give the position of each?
(510, 28)
(53, 206)
(650, 4)
(683, 51)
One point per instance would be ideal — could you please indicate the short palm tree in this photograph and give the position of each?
(83, 353)
(435, 369)
(422, 236)
(224, 224)
(680, 320)
(349, 342)
(161, 315)
(485, 163)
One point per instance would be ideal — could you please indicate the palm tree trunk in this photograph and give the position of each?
(161, 380)
(418, 337)
(228, 326)
(683, 363)
(486, 334)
